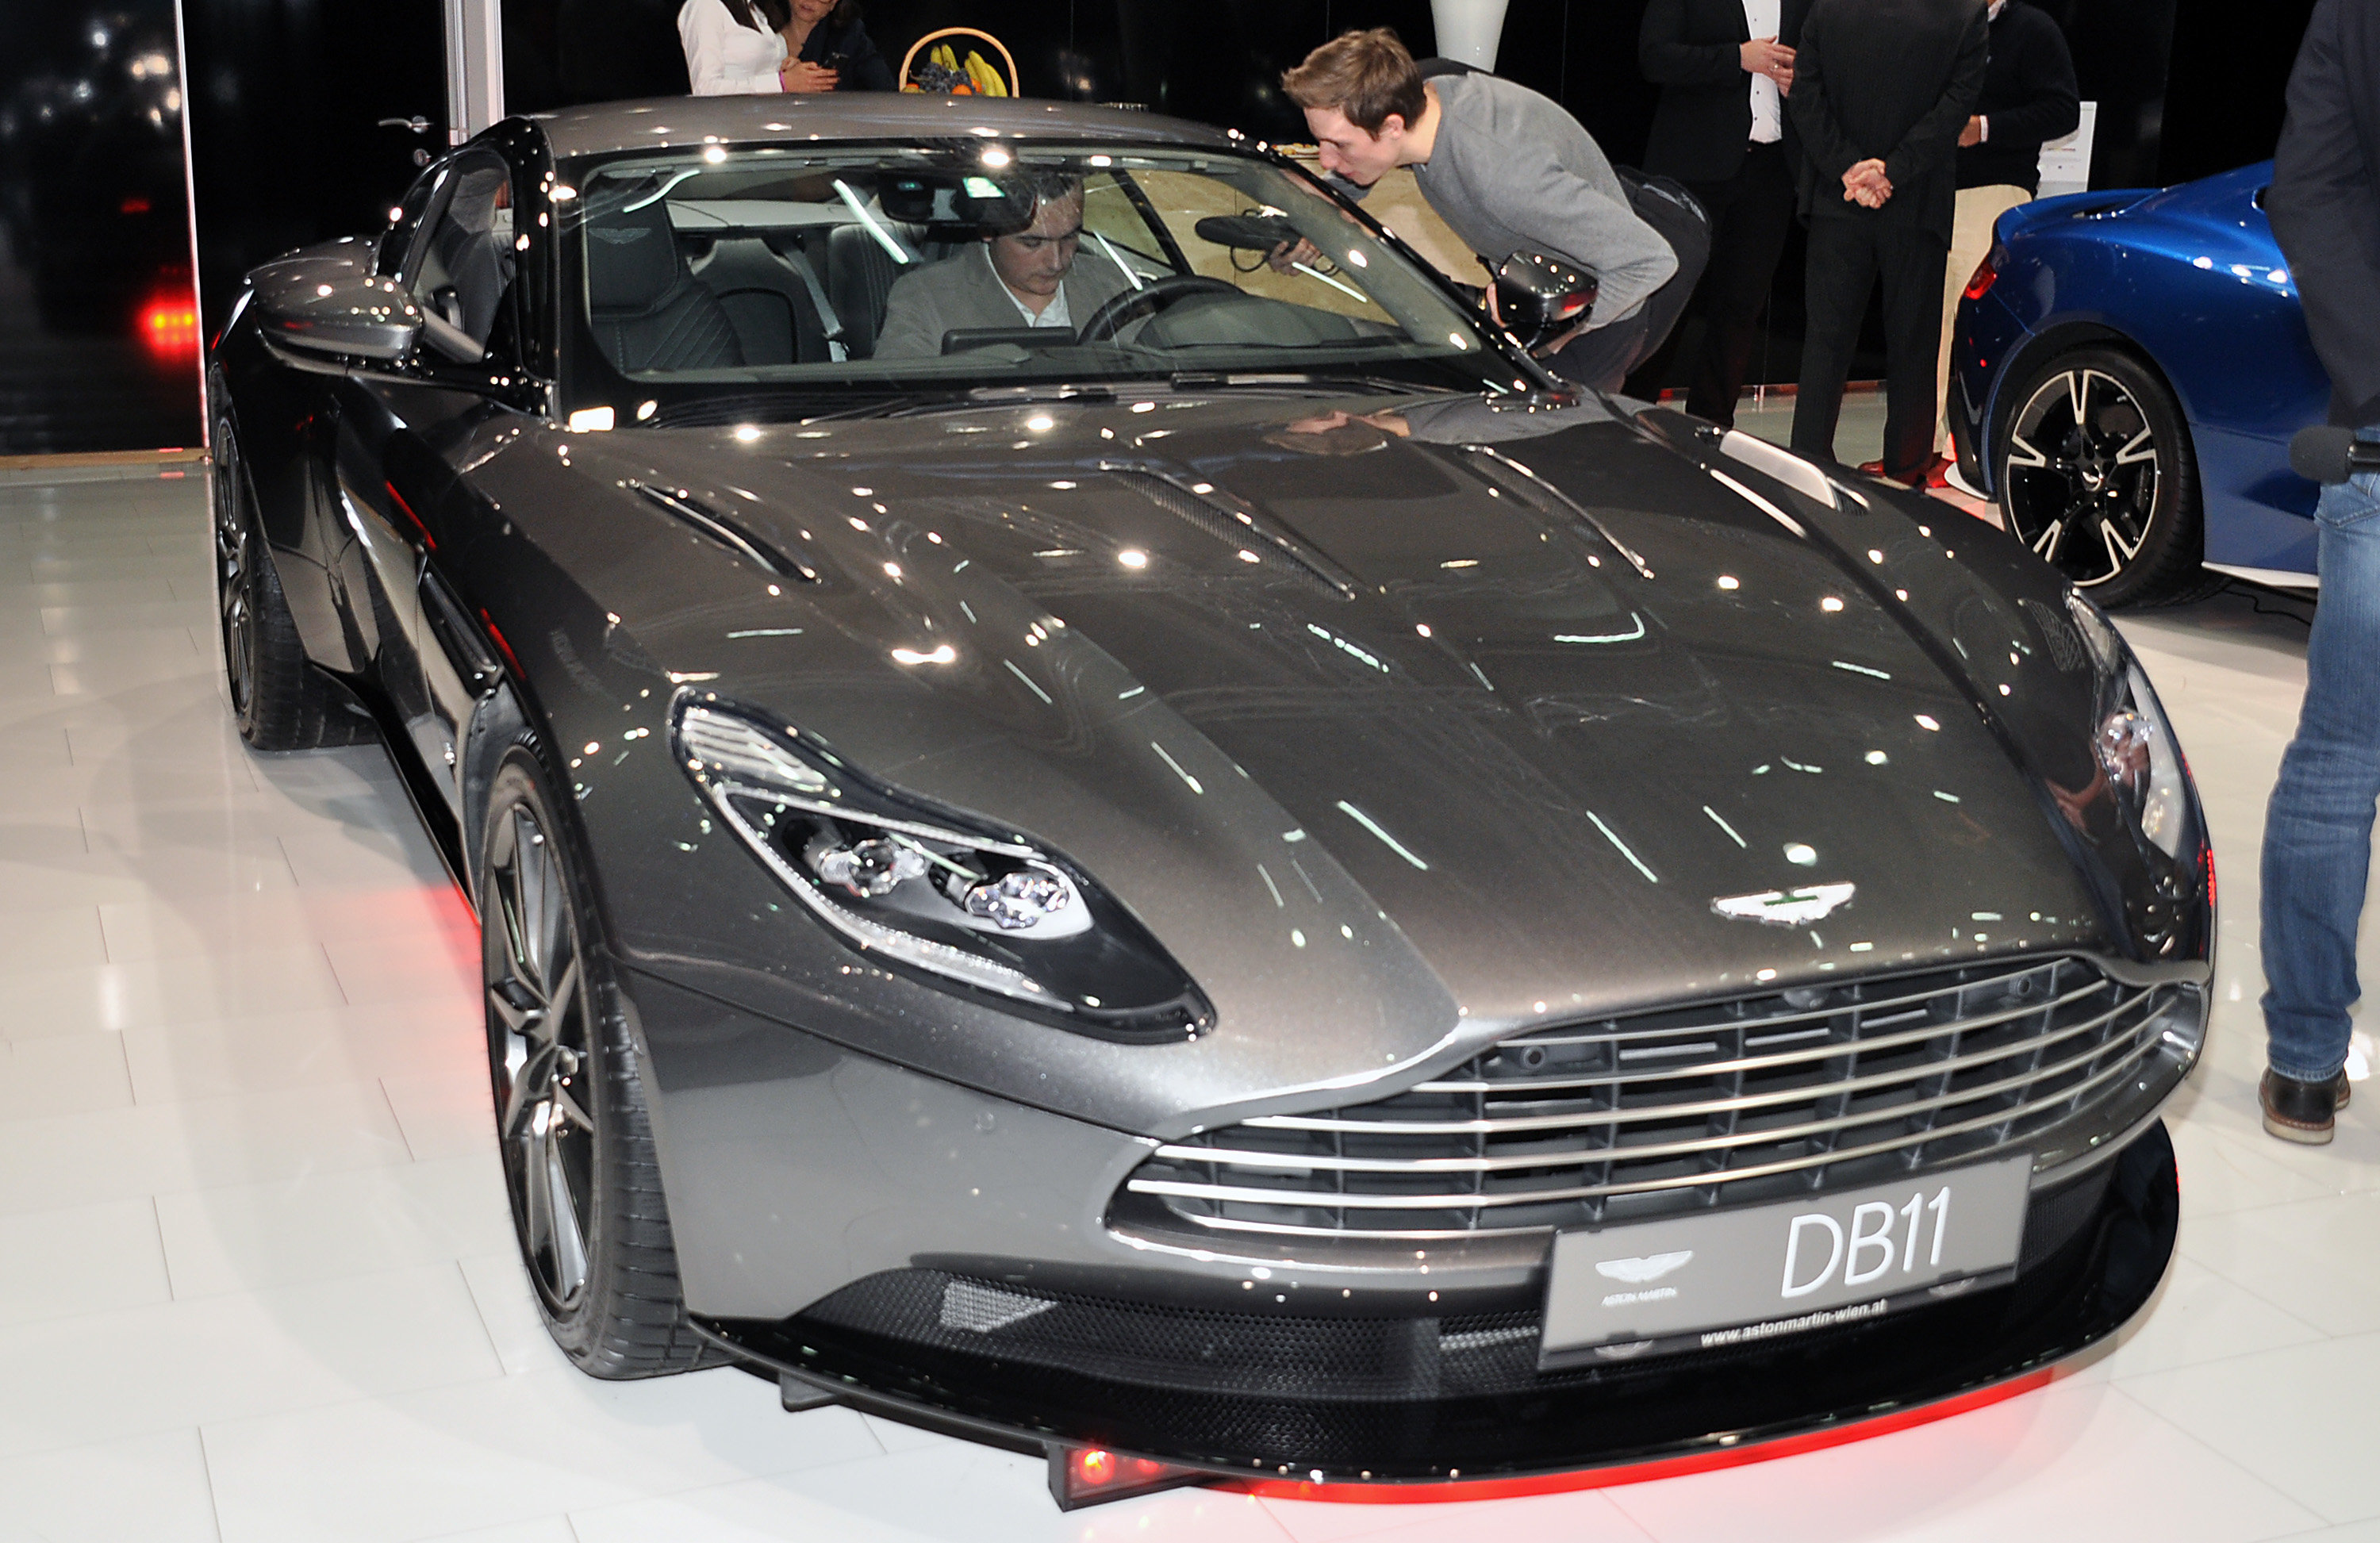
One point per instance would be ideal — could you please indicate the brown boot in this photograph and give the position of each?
(2302, 1111)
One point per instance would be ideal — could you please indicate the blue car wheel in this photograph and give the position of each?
(2097, 476)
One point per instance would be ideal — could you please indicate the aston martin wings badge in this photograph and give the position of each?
(1785, 908)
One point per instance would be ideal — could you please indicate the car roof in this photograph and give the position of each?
(657, 122)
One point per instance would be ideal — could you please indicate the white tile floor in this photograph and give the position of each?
(257, 1279)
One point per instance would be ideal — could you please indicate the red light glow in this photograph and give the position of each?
(1094, 1467)
(1980, 282)
(169, 324)
(134, 203)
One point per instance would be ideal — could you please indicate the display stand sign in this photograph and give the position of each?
(2066, 164)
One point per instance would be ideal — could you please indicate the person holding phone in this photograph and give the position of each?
(744, 47)
(825, 40)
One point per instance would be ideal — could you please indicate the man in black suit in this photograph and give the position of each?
(1724, 68)
(2325, 205)
(1881, 91)
(2029, 99)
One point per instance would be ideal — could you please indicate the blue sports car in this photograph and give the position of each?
(2130, 368)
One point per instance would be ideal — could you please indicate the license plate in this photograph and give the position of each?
(1719, 1279)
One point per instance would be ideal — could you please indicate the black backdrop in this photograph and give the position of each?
(98, 348)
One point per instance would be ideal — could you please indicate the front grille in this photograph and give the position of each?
(1758, 1098)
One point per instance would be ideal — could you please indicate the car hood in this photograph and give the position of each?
(1432, 722)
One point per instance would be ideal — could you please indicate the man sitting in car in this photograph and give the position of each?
(1024, 278)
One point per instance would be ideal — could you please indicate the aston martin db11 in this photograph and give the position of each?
(1226, 879)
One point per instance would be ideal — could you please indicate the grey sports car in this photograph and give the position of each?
(1213, 876)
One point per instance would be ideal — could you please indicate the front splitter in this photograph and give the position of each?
(1611, 1425)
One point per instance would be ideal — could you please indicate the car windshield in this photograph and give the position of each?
(870, 274)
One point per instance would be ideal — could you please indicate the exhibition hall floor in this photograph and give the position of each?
(256, 1280)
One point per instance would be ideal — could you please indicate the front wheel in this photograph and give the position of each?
(277, 699)
(570, 1106)
(2098, 477)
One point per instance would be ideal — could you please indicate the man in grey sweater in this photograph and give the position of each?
(1507, 170)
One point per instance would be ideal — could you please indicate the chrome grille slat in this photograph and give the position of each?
(1555, 1037)
(1589, 1192)
(1511, 1125)
(1782, 1057)
(1737, 1102)
(1284, 1162)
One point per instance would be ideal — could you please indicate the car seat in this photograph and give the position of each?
(860, 274)
(768, 301)
(646, 311)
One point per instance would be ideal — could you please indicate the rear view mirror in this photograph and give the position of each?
(331, 309)
(1539, 298)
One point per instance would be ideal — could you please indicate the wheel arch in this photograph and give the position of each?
(497, 723)
(2047, 344)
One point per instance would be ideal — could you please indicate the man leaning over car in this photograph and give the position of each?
(2325, 206)
(1507, 170)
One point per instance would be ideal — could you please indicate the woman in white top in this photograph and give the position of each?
(734, 48)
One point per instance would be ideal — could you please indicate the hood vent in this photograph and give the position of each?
(1230, 520)
(683, 505)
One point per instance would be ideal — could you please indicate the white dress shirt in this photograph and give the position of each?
(1765, 17)
(1054, 314)
(724, 57)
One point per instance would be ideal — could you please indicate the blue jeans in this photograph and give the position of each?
(2318, 826)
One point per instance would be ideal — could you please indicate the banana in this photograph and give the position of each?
(995, 83)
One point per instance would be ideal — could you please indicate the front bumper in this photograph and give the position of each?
(1356, 1400)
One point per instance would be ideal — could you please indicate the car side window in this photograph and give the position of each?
(462, 268)
(405, 225)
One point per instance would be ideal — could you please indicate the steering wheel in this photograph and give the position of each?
(1150, 299)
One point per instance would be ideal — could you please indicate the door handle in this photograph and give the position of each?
(418, 124)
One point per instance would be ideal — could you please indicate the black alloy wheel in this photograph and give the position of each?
(577, 1144)
(538, 1050)
(278, 699)
(2097, 477)
(234, 555)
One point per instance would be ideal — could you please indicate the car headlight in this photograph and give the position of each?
(2135, 742)
(925, 888)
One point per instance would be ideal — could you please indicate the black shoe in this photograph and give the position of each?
(2302, 1111)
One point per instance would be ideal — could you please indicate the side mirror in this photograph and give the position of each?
(1539, 298)
(339, 311)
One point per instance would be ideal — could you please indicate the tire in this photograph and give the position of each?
(578, 1158)
(280, 702)
(2098, 477)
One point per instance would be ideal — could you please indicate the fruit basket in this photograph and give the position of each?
(952, 63)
